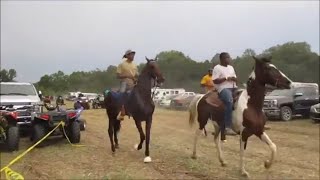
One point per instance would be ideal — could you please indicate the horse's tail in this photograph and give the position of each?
(193, 109)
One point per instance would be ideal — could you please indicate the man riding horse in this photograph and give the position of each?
(127, 72)
(224, 78)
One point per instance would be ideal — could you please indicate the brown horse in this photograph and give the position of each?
(247, 117)
(138, 104)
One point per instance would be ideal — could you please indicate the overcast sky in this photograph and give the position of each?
(40, 38)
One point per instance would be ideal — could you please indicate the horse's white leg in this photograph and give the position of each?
(265, 138)
(198, 132)
(217, 140)
(242, 144)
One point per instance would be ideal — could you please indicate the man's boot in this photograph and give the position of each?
(121, 114)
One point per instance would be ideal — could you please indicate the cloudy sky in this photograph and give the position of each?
(40, 38)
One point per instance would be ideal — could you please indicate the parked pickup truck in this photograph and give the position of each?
(23, 97)
(287, 103)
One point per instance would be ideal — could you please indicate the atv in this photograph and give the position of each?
(98, 102)
(9, 130)
(43, 123)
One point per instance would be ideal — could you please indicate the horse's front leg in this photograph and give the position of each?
(265, 138)
(142, 136)
(147, 159)
(116, 132)
(110, 132)
(244, 135)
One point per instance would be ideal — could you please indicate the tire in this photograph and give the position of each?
(39, 131)
(13, 138)
(286, 113)
(83, 124)
(74, 132)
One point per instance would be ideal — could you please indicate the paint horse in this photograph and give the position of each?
(139, 105)
(247, 118)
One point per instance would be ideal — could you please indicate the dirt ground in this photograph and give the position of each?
(171, 149)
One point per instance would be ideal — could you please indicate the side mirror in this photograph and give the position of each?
(298, 94)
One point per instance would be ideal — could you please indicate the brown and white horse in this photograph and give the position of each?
(247, 117)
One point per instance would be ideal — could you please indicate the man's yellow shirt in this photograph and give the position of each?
(207, 82)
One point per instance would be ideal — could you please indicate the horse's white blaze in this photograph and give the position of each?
(252, 75)
(237, 114)
(271, 65)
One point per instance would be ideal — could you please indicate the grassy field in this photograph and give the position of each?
(171, 149)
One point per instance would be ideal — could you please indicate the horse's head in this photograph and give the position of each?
(267, 73)
(154, 70)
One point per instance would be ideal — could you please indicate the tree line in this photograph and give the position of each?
(295, 59)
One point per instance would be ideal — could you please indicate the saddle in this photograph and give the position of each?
(213, 99)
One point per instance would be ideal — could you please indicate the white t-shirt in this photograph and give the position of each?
(224, 72)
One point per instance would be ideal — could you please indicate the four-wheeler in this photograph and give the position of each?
(98, 102)
(9, 129)
(43, 123)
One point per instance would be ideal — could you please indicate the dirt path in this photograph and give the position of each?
(171, 148)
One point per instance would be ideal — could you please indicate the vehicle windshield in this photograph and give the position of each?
(281, 92)
(17, 89)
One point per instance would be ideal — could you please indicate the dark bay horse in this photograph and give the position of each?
(139, 105)
(247, 118)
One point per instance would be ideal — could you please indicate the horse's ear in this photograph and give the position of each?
(147, 59)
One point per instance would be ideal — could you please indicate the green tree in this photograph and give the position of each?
(7, 75)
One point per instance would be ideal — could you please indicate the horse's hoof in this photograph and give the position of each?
(194, 156)
(147, 159)
(117, 146)
(245, 174)
(223, 164)
(136, 147)
(267, 164)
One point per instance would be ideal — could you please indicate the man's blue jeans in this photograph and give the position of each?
(226, 96)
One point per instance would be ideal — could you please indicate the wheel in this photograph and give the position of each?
(74, 132)
(13, 138)
(39, 131)
(83, 124)
(286, 113)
